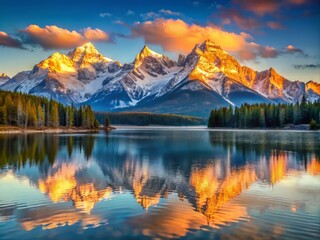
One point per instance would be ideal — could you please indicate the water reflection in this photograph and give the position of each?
(69, 182)
(179, 181)
(213, 193)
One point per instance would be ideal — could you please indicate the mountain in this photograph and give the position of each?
(206, 78)
(70, 78)
(3, 78)
(313, 90)
(146, 76)
(209, 78)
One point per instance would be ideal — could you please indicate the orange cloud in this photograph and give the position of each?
(254, 50)
(297, 2)
(260, 7)
(96, 35)
(178, 36)
(293, 50)
(8, 41)
(53, 37)
(242, 21)
(275, 25)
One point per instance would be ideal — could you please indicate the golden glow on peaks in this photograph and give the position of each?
(86, 55)
(276, 79)
(212, 60)
(3, 75)
(314, 86)
(57, 63)
(145, 52)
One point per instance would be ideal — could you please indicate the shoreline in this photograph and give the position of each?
(205, 128)
(18, 130)
(64, 130)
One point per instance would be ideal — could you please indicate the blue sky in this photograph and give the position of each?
(283, 34)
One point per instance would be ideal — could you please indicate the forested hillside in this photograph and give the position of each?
(23, 110)
(265, 115)
(146, 118)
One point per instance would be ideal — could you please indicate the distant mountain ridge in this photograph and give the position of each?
(206, 78)
(3, 78)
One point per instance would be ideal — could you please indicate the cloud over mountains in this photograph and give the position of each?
(53, 37)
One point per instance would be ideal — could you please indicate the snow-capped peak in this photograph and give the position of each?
(314, 86)
(209, 45)
(87, 47)
(208, 59)
(3, 75)
(87, 54)
(145, 52)
(58, 63)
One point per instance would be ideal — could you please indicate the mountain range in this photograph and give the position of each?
(206, 78)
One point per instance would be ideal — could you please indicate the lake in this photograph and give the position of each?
(156, 183)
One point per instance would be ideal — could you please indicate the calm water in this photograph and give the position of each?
(138, 183)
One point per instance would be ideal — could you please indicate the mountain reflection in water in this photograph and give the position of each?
(156, 183)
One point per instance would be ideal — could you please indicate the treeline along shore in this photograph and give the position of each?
(147, 118)
(23, 111)
(267, 115)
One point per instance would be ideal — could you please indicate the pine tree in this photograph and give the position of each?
(40, 116)
(20, 112)
(107, 123)
(313, 125)
(282, 115)
(3, 115)
(262, 118)
(54, 114)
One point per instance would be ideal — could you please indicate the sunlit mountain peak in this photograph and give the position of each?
(87, 54)
(3, 78)
(151, 63)
(211, 59)
(273, 80)
(3, 75)
(88, 46)
(58, 63)
(314, 86)
(210, 45)
(144, 53)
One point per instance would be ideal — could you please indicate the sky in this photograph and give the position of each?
(259, 33)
